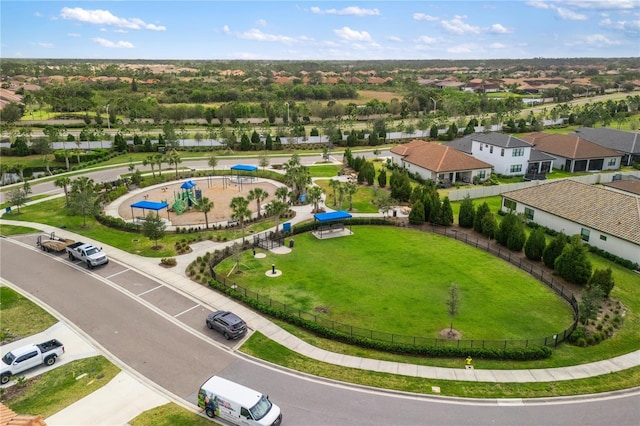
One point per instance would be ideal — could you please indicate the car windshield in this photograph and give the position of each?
(92, 251)
(261, 408)
(8, 358)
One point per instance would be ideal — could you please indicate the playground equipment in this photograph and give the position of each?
(186, 199)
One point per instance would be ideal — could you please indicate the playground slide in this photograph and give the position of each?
(192, 199)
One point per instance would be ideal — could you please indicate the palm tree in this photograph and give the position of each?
(20, 169)
(282, 193)
(315, 195)
(341, 193)
(150, 161)
(335, 185)
(4, 168)
(350, 189)
(63, 182)
(159, 159)
(257, 194)
(240, 211)
(276, 208)
(174, 158)
(205, 207)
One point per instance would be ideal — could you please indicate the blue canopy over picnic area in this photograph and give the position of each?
(149, 205)
(328, 222)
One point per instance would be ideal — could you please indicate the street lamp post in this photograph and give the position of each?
(108, 121)
(287, 104)
(434, 105)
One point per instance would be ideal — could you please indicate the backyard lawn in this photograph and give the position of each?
(396, 281)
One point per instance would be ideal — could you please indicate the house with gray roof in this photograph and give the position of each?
(507, 154)
(626, 143)
(605, 219)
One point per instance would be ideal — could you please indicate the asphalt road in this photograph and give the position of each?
(161, 334)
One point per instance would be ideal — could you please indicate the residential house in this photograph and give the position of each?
(605, 219)
(629, 185)
(439, 163)
(574, 154)
(626, 143)
(508, 155)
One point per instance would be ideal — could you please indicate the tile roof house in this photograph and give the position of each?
(575, 154)
(626, 143)
(630, 186)
(605, 219)
(8, 417)
(439, 163)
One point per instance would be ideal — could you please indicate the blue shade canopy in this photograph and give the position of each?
(244, 168)
(188, 185)
(149, 205)
(326, 217)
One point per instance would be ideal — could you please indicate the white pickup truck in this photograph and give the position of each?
(27, 357)
(91, 255)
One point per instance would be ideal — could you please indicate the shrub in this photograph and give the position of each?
(169, 261)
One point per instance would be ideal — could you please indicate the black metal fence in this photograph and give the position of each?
(268, 241)
(538, 273)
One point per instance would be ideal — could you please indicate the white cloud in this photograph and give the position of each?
(45, 45)
(600, 40)
(570, 15)
(632, 27)
(121, 31)
(395, 39)
(108, 43)
(423, 17)
(257, 35)
(226, 29)
(261, 23)
(461, 48)
(75, 35)
(498, 29)
(352, 35)
(602, 4)
(37, 14)
(458, 26)
(426, 40)
(498, 46)
(104, 17)
(351, 11)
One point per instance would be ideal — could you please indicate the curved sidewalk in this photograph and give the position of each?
(177, 278)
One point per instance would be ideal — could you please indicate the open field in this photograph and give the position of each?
(397, 282)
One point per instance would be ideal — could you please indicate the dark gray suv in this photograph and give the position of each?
(229, 324)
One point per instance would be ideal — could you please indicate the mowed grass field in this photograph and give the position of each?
(396, 281)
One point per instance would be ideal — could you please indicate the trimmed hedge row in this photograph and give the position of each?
(519, 354)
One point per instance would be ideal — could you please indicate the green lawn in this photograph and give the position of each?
(261, 347)
(397, 281)
(21, 317)
(54, 390)
(361, 201)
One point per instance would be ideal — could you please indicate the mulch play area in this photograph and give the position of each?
(215, 189)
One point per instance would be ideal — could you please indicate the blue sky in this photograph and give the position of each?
(320, 30)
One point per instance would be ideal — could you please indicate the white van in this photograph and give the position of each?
(237, 404)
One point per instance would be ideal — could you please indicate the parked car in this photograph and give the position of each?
(29, 356)
(229, 324)
(92, 256)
